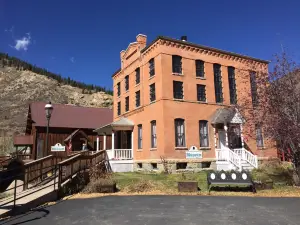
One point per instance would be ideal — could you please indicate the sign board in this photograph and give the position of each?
(193, 153)
(58, 148)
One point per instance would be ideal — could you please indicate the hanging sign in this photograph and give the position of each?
(193, 153)
(58, 148)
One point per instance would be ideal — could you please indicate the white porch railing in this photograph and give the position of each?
(230, 156)
(247, 156)
(119, 154)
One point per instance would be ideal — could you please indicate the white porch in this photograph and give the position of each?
(229, 142)
(121, 152)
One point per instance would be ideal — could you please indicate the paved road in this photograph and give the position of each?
(163, 210)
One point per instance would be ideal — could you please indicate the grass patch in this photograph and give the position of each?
(141, 182)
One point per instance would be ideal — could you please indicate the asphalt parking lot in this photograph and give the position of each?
(162, 210)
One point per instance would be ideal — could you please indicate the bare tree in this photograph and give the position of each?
(273, 103)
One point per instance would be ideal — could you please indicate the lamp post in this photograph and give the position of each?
(48, 109)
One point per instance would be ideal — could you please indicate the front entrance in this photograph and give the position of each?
(222, 139)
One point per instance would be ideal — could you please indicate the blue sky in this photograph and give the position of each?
(83, 39)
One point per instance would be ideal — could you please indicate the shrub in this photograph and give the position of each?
(101, 185)
(274, 170)
(142, 186)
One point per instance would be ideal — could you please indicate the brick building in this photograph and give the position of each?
(172, 95)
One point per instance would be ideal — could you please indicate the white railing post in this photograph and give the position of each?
(104, 142)
(113, 144)
(97, 145)
(131, 156)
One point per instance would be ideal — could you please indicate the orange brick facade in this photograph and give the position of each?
(165, 109)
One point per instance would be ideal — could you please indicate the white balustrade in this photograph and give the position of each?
(230, 156)
(122, 154)
(247, 156)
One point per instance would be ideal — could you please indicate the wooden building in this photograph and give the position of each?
(71, 127)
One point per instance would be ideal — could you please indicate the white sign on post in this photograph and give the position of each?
(193, 153)
(58, 148)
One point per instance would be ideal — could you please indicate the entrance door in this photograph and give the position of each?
(222, 139)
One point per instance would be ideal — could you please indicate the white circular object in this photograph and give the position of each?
(233, 176)
(244, 176)
(212, 176)
(223, 176)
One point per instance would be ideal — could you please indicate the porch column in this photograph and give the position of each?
(242, 137)
(226, 134)
(97, 144)
(132, 144)
(104, 142)
(215, 137)
(113, 144)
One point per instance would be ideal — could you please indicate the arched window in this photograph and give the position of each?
(203, 130)
(179, 133)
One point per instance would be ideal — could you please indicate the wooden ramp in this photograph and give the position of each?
(43, 180)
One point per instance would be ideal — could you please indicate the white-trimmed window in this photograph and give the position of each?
(179, 133)
(204, 137)
(153, 134)
(140, 136)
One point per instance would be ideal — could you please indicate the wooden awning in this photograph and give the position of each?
(121, 124)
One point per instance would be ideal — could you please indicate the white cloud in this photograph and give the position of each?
(23, 43)
(72, 59)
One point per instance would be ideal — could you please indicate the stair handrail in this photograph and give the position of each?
(250, 158)
(234, 158)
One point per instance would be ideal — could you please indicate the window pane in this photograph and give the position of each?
(153, 134)
(176, 64)
(232, 85)
(151, 67)
(204, 137)
(137, 98)
(127, 83)
(253, 88)
(178, 90)
(127, 103)
(201, 93)
(119, 108)
(259, 136)
(119, 89)
(179, 133)
(139, 136)
(152, 92)
(199, 68)
(218, 83)
(137, 76)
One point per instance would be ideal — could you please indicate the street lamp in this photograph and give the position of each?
(48, 109)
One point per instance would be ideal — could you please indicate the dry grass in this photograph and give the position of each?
(277, 192)
(166, 184)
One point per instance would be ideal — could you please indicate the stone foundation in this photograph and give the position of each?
(174, 165)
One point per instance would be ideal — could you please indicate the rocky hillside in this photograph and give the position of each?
(18, 88)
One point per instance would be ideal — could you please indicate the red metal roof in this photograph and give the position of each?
(23, 140)
(70, 116)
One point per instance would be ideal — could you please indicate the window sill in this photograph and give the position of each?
(262, 148)
(139, 150)
(126, 91)
(177, 74)
(201, 78)
(181, 148)
(152, 101)
(137, 84)
(153, 149)
(151, 77)
(137, 107)
(203, 102)
(178, 99)
(205, 148)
